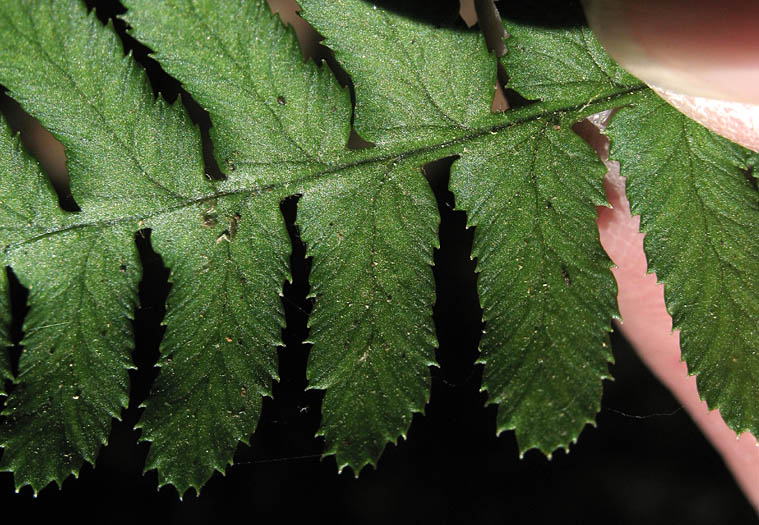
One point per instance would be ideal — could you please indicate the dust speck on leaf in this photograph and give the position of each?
(567, 278)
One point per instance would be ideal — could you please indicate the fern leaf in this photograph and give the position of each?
(73, 372)
(544, 283)
(545, 349)
(372, 281)
(408, 92)
(228, 261)
(561, 66)
(368, 217)
(372, 322)
(132, 181)
(700, 214)
(275, 118)
(7, 148)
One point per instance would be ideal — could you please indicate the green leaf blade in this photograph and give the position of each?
(396, 63)
(700, 215)
(562, 66)
(371, 325)
(182, 61)
(228, 263)
(73, 370)
(544, 281)
(368, 218)
(65, 69)
(274, 116)
(14, 216)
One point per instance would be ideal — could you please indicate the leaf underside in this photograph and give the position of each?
(368, 218)
(700, 214)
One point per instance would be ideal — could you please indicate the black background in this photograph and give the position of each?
(644, 462)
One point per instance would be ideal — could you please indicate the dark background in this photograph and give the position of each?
(644, 462)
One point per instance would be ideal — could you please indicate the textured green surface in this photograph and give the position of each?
(275, 119)
(228, 261)
(753, 164)
(73, 371)
(562, 66)
(545, 286)
(71, 73)
(700, 214)
(10, 158)
(25, 199)
(412, 87)
(372, 322)
(546, 346)
(78, 326)
(368, 218)
(372, 279)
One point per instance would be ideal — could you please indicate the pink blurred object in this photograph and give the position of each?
(735, 121)
(700, 56)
